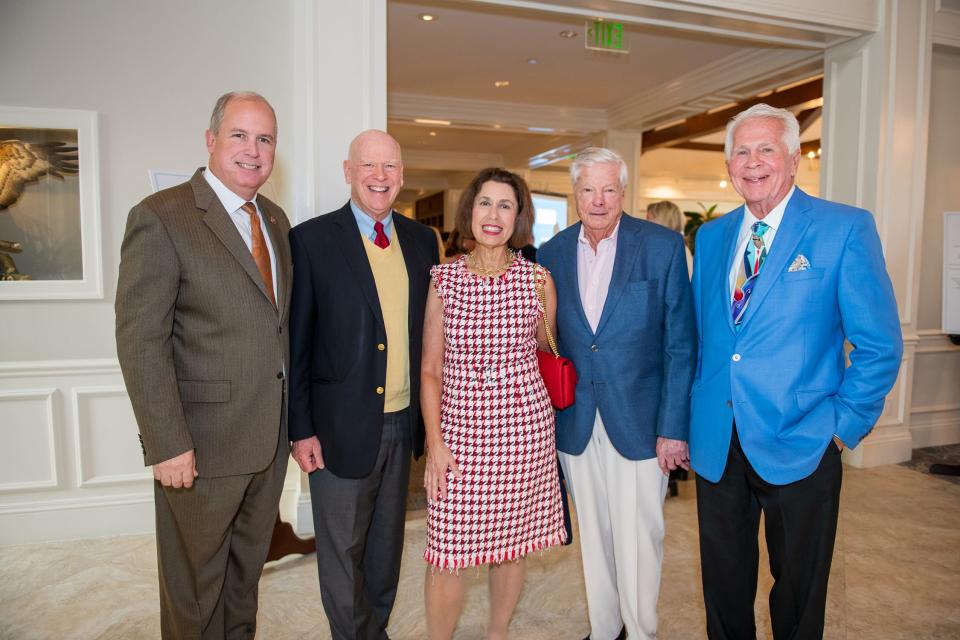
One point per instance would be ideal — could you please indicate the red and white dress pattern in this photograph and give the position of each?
(496, 417)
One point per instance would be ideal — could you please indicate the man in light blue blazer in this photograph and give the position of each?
(625, 318)
(779, 285)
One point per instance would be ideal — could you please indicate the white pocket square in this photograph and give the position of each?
(800, 263)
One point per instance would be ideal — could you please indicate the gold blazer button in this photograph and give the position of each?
(381, 346)
(379, 391)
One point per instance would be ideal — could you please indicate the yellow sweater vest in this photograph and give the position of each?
(390, 274)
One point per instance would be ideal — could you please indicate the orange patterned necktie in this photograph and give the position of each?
(259, 249)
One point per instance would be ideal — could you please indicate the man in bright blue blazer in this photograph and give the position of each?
(625, 318)
(779, 285)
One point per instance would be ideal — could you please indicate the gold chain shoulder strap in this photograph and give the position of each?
(542, 296)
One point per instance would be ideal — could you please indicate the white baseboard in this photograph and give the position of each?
(887, 445)
(935, 429)
(59, 520)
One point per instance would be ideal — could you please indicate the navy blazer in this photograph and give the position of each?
(335, 326)
(783, 375)
(638, 366)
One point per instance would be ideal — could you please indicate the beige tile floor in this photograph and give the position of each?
(896, 575)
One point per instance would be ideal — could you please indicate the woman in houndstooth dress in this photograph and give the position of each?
(491, 474)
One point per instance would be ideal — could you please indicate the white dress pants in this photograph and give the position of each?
(619, 506)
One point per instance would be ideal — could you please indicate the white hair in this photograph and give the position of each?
(597, 155)
(791, 128)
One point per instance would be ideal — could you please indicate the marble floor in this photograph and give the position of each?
(896, 575)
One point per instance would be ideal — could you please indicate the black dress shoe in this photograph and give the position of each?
(620, 636)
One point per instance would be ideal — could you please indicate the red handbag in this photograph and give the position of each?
(558, 373)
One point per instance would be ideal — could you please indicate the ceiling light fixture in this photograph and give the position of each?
(497, 125)
(445, 123)
(567, 33)
(427, 17)
(532, 61)
(811, 154)
(500, 84)
(723, 184)
(433, 134)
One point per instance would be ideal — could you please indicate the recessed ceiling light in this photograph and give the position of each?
(567, 33)
(445, 123)
(499, 84)
(811, 154)
(497, 125)
(427, 17)
(723, 184)
(433, 134)
(532, 61)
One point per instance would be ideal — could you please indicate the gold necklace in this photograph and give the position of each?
(480, 270)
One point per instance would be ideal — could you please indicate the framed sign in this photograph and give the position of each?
(49, 204)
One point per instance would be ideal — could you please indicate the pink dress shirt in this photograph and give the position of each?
(594, 270)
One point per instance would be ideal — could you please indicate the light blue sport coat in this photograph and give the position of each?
(783, 375)
(638, 366)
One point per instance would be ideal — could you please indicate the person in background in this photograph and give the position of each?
(457, 246)
(667, 214)
(491, 473)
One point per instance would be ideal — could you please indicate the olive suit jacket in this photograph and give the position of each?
(202, 347)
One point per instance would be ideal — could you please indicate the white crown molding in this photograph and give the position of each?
(450, 160)
(724, 76)
(823, 26)
(47, 368)
(504, 116)
(827, 16)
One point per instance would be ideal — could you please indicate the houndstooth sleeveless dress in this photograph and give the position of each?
(496, 417)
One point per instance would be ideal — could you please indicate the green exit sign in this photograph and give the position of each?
(606, 36)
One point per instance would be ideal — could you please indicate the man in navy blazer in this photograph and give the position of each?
(360, 284)
(625, 318)
(779, 285)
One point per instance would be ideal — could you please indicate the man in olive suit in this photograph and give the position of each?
(202, 302)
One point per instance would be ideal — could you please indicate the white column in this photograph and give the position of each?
(876, 105)
(339, 89)
(626, 142)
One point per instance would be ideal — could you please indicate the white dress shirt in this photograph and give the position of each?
(594, 270)
(241, 219)
(772, 220)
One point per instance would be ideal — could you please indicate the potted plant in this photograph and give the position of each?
(695, 219)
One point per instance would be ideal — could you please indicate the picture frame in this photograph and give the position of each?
(49, 205)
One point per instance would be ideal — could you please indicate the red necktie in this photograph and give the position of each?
(381, 240)
(258, 247)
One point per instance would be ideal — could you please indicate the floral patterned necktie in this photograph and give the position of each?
(753, 257)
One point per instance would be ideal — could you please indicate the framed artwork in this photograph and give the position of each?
(49, 205)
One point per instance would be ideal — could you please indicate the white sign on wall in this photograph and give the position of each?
(951, 272)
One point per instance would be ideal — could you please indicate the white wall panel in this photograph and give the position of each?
(106, 448)
(28, 455)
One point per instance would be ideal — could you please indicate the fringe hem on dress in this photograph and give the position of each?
(453, 563)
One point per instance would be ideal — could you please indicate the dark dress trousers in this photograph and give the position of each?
(337, 365)
(203, 351)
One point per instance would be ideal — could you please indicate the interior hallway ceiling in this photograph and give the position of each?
(445, 70)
